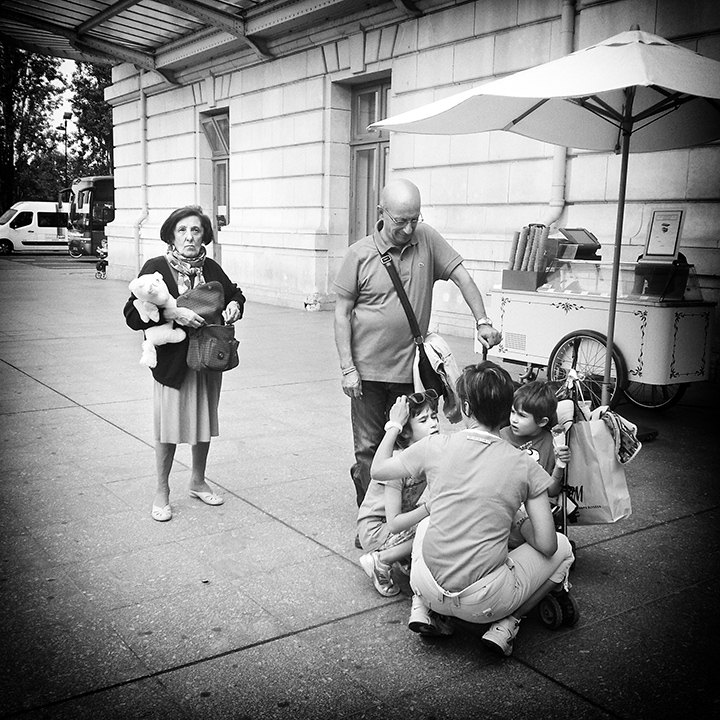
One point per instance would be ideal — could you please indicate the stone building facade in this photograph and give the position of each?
(277, 149)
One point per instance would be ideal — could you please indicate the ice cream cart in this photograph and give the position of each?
(557, 318)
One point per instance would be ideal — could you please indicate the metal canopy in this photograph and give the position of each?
(167, 36)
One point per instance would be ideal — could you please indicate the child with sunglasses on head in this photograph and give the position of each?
(532, 418)
(390, 512)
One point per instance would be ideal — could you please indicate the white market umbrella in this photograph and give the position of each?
(634, 92)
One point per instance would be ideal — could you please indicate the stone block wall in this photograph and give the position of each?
(290, 158)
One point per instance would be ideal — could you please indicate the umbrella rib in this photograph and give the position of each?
(521, 117)
(636, 126)
(602, 110)
(667, 104)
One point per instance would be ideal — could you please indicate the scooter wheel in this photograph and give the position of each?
(551, 613)
(570, 608)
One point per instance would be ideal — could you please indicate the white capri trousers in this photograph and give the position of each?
(501, 591)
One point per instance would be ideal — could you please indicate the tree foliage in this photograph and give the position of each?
(33, 154)
(31, 89)
(93, 140)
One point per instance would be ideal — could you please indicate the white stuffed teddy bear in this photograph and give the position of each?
(152, 293)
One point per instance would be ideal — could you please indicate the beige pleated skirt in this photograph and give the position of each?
(189, 414)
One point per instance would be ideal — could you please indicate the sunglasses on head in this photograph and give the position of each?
(420, 398)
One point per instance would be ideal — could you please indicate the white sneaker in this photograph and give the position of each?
(424, 621)
(501, 634)
(381, 574)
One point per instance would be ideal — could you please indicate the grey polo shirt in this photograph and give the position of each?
(382, 343)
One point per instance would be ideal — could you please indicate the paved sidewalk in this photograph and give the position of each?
(259, 609)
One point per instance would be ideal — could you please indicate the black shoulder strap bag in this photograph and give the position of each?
(429, 378)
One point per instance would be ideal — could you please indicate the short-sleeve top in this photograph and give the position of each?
(382, 343)
(373, 505)
(539, 448)
(476, 483)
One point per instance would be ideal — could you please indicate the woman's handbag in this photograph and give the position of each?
(207, 300)
(212, 348)
(595, 476)
(434, 367)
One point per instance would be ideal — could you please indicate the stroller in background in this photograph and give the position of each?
(102, 263)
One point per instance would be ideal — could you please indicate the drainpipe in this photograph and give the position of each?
(144, 211)
(559, 167)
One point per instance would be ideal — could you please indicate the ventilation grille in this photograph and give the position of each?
(514, 341)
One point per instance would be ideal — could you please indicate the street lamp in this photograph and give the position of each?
(66, 117)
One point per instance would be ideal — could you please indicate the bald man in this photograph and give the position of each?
(372, 334)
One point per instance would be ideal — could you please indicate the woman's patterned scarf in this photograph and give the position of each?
(190, 272)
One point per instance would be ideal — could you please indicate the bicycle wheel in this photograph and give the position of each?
(654, 397)
(584, 351)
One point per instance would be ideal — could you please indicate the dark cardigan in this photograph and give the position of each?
(171, 365)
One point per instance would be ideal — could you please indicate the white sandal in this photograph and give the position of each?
(161, 514)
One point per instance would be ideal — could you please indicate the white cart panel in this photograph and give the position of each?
(661, 342)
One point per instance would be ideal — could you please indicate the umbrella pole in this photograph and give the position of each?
(626, 131)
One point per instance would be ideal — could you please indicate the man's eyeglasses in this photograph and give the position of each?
(420, 398)
(402, 222)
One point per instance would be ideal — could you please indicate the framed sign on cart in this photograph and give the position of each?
(663, 236)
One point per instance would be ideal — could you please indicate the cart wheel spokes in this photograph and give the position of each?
(584, 352)
(655, 397)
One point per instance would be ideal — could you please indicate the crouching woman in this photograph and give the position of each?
(476, 481)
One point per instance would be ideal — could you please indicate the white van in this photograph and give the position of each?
(34, 225)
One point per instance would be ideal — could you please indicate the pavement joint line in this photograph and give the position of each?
(74, 403)
(277, 519)
(567, 688)
(194, 663)
(227, 491)
(652, 526)
(647, 604)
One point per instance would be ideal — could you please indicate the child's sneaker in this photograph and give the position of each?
(403, 566)
(424, 621)
(501, 634)
(381, 574)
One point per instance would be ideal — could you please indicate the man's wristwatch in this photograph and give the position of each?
(484, 321)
